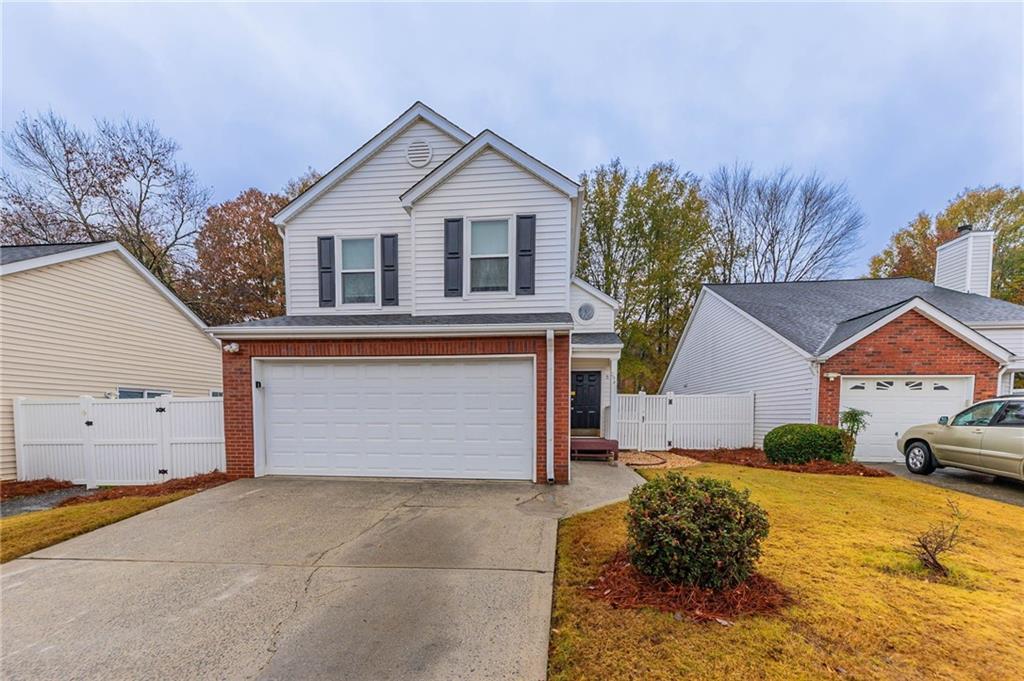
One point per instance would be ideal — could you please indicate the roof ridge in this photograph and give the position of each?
(810, 281)
(58, 243)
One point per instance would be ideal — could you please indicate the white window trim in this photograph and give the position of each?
(164, 391)
(339, 303)
(467, 239)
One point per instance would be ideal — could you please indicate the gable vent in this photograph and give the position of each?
(418, 153)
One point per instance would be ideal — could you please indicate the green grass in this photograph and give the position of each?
(863, 610)
(22, 534)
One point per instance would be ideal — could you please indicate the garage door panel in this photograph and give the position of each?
(413, 418)
(896, 403)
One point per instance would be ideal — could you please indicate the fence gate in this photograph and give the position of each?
(661, 422)
(118, 442)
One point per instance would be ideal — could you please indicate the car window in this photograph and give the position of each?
(1012, 415)
(978, 415)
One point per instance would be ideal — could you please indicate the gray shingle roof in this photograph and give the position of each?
(12, 254)
(405, 320)
(818, 315)
(606, 338)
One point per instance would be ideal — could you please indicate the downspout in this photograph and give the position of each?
(549, 440)
(999, 380)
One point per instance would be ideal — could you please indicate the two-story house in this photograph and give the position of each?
(434, 327)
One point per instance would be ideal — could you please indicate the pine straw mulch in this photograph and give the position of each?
(196, 483)
(656, 460)
(755, 458)
(623, 586)
(25, 488)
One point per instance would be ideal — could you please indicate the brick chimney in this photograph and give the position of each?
(965, 263)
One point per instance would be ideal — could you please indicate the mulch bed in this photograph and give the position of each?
(656, 460)
(25, 488)
(622, 586)
(755, 458)
(196, 483)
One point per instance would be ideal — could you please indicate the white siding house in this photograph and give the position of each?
(724, 351)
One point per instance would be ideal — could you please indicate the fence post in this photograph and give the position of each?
(88, 451)
(670, 424)
(21, 463)
(642, 415)
(163, 420)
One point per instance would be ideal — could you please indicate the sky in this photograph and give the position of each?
(908, 104)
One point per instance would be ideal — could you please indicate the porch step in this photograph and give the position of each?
(593, 448)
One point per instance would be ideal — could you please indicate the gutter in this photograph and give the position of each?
(384, 331)
(549, 440)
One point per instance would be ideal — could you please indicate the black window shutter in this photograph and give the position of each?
(453, 258)
(389, 269)
(526, 247)
(325, 268)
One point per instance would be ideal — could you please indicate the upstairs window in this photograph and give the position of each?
(358, 271)
(488, 255)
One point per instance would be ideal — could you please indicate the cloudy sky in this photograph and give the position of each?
(906, 103)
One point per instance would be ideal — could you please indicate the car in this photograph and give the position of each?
(987, 437)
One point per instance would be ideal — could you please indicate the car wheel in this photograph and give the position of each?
(919, 459)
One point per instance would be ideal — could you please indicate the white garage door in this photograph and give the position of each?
(898, 402)
(422, 418)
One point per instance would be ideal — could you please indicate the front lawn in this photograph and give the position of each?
(861, 609)
(30, 532)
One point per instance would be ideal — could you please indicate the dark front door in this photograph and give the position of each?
(586, 400)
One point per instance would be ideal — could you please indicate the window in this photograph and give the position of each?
(1012, 415)
(1017, 382)
(858, 386)
(939, 386)
(978, 415)
(488, 255)
(884, 385)
(140, 393)
(216, 393)
(358, 271)
(914, 385)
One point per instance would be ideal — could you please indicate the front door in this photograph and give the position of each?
(586, 402)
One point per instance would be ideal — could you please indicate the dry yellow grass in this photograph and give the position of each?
(862, 610)
(22, 534)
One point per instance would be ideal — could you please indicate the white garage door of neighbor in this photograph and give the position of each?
(418, 418)
(897, 403)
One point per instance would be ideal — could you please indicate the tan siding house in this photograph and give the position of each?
(89, 322)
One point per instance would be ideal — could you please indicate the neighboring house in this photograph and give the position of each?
(904, 350)
(433, 326)
(89, 319)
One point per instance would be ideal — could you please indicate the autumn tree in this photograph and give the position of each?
(239, 257)
(643, 241)
(120, 181)
(911, 250)
(779, 226)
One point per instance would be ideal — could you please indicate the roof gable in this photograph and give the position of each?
(418, 111)
(51, 254)
(482, 142)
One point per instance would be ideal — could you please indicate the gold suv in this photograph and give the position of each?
(986, 437)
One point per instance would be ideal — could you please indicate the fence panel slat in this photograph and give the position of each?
(128, 442)
(660, 422)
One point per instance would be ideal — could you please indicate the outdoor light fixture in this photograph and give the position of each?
(231, 347)
(831, 375)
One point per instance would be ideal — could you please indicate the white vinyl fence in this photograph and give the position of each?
(118, 442)
(661, 422)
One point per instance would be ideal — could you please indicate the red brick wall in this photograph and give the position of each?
(910, 344)
(238, 435)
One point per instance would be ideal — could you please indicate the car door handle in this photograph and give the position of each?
(978, 431)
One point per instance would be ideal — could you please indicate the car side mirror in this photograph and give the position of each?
(943, 420)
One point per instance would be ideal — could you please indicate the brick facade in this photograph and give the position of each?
(238, 424)
(911, 344)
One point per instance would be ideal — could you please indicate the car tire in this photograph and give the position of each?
(919, 458)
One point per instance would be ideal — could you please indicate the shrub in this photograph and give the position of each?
(852, 421)
(695, 531)
(803, 442)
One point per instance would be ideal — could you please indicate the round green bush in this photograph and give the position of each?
(803, 442)
(697, 531)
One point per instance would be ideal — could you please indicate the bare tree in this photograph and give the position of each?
(779, 227)
(121, 181)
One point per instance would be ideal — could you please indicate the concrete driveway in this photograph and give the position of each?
(969, 482)
(304, 578)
